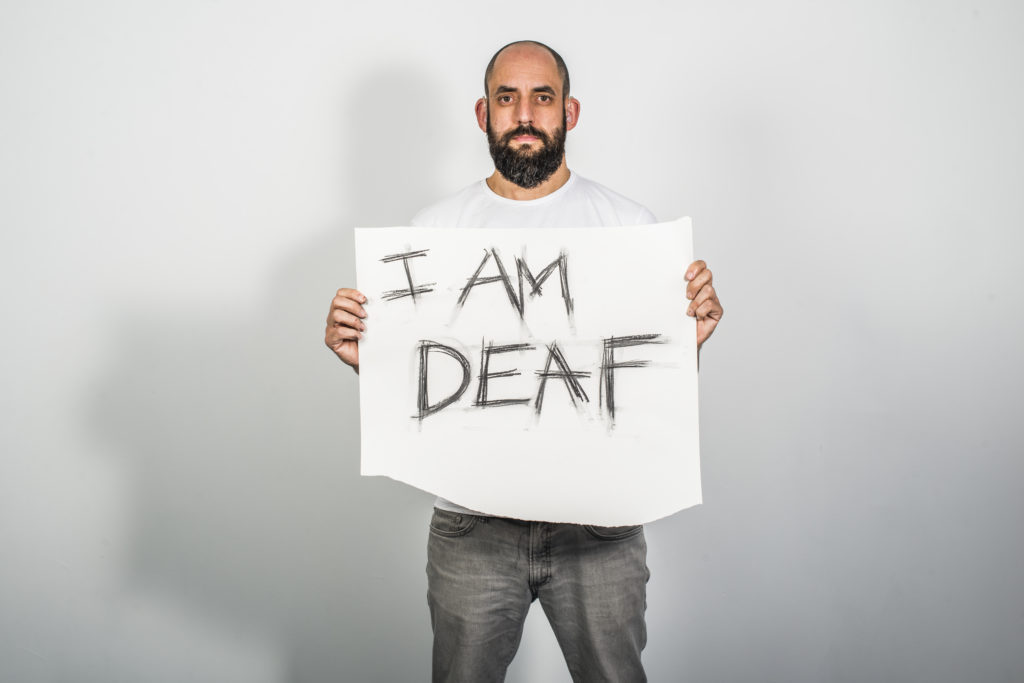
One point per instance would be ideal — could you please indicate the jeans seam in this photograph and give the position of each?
(629, 532)
(445, 533)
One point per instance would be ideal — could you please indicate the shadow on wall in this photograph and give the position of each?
(238, 433)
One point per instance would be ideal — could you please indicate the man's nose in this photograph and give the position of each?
(524, 111)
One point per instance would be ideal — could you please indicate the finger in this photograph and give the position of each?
(348, 304)
(706, 292)
(709, 309)
(340, 317)
(353, 294)
(336, 335)
(703, 278)
(694, 268)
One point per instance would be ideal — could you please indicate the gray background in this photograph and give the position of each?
(179, 489)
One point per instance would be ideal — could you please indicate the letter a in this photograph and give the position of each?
(476, 280)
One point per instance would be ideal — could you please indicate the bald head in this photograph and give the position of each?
(519, 45)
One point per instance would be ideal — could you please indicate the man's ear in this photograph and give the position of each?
(572, 113)
(481, 114)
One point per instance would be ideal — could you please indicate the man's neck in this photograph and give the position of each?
(503, 187)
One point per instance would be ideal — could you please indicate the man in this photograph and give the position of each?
(483, 571)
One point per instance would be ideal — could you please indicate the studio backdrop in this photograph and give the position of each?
(180, 497)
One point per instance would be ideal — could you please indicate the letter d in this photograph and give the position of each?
(422, 402)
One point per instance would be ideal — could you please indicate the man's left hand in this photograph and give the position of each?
(704, 304)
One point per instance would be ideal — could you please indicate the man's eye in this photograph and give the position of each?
(504, 99)
(544, 98)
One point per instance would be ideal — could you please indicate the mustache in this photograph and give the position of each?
(525, 129)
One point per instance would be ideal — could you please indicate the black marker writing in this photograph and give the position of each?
(609, 365)
(570, 378)
(422, 402)
(486, 375)
(564, 373)
(476, 280)
(412, 290)
(562, 263)
(525, 276)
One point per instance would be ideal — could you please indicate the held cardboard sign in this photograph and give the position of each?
(538, 373)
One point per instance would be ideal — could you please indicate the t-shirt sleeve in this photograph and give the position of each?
(419, 220)
(646, 217)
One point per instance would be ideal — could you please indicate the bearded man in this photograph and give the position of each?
(483, 571)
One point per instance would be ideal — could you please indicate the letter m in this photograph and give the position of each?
(525, 276)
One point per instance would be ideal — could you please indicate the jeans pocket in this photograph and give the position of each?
(613, 533)
(451, 524)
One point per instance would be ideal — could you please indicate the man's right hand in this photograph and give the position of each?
(344, 326)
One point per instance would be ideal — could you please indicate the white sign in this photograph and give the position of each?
(537, 373)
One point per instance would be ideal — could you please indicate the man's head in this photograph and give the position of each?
(563, 70)
(526, 111)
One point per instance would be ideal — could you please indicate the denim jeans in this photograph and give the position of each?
(484, 572)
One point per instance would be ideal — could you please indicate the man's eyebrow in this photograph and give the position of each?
(501, 89)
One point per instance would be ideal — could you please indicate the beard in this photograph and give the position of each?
(521, 166)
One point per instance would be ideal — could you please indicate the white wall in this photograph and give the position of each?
(179, 490)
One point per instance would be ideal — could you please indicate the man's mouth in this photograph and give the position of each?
(524, 136)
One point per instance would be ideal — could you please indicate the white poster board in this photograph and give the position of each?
(537, 373)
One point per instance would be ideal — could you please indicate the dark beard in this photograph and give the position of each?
(525, 168)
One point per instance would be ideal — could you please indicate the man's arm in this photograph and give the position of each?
(704, 304)
(345, 324)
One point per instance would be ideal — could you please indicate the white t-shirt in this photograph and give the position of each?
(580, 203)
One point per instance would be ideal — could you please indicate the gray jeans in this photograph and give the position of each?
(483, 573)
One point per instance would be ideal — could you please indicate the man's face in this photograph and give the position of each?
(525, 154)
(525, 115)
